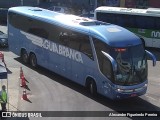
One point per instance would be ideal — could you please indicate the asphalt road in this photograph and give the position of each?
(48, 91)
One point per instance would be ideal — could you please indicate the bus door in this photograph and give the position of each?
(105, 74)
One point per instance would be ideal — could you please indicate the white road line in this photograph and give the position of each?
(151, 98)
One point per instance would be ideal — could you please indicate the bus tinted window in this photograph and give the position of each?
(106, 17)
(134, 21)
(38, 28)
(130, 21)
(119, 20)
(19, 21)
(64, 37)
(85, 46)
(104, 63)
(157, 23)
(149, 22)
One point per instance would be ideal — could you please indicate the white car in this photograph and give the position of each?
(59, 9)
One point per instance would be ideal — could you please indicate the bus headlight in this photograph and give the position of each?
(145, 85)
(120, 90)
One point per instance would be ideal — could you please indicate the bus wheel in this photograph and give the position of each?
(92, 88)
(24, 56)
(33, 60)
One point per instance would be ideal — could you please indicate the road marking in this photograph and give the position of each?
(151, 98)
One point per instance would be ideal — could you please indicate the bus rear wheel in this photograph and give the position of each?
(24, 56)
(33, 60)
(92, 88)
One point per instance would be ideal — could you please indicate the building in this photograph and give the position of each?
(130, 3)
(142, 3)
(87, 4)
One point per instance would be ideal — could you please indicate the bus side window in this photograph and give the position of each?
(157, 23)
(109, 18)
(105, 65)
(86, 47)
(20, 23)
(64, 38)
(80, 42)
(39, 32)
(119, 20)
(148, 24)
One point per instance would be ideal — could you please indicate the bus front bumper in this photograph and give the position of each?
(127, 93)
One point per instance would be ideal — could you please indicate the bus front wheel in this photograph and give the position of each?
(92, 88)
(24, 56)
(33, 60)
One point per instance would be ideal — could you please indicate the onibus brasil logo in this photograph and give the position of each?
(155, 34)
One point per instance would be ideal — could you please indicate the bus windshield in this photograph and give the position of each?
(132, 65)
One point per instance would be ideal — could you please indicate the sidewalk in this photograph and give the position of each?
(13, 70)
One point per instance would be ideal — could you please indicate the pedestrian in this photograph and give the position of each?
(3, 98)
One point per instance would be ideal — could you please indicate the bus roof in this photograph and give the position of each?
(131, 11)
(113, 35)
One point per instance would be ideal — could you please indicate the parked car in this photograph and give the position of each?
(88, 15)
(60, 9)
(3, 39)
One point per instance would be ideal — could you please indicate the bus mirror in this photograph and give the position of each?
(143, 42)
(113, 62)
(152, 56)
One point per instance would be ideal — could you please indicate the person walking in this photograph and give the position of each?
(3, 98)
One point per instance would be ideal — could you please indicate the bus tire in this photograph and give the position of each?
(24, 56)
(92, 88)
(33, 60)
